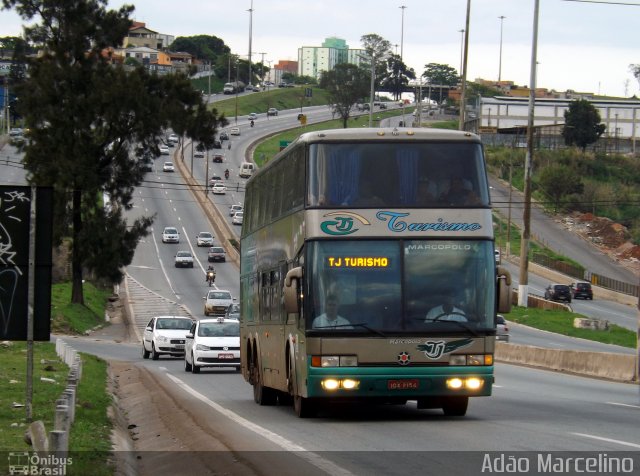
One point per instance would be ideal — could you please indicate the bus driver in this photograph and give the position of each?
(330, 318)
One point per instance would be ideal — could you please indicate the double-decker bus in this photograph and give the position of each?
(368, 271)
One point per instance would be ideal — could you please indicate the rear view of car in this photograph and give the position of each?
(217, 253)
(558, 292)
(581, 290)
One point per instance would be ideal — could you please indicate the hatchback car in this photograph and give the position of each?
(502, 330)
(204, 238)
(164, 150)
(216, 253)
(212, 343)
(168, 167)
(170, 235)
(252, 117)
(218, 158)
(581, 289)
(272, 111)
(173, 138)
(216, 302)
(237, 218)
(184, 259)
(165, 335)
(224, 135)
(219, 189)
(233, 209)
(558, 292)
(198, 153)
(234, 131)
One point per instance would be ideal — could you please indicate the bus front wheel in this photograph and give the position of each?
(262, 395)
(455, 406)
(304, 407)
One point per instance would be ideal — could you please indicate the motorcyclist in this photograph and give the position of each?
(252, 123)
(226, 174)
(210, 277)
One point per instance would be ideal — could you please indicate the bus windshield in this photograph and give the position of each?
(381, 174)
(388, 286)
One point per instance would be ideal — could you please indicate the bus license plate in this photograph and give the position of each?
(225, 356)
(408, 384)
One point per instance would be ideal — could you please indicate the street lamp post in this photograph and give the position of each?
(461, 48)
(402, 7)
(501, 17)
(237, 87)
(250, 38)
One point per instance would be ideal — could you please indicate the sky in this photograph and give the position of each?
(585, 46)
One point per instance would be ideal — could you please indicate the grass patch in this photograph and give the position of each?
(561, 322)
(90, 433)
(68, 318)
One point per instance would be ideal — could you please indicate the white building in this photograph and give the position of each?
(313, 60)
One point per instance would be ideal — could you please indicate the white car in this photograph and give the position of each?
(252, 117)
(165, 335)
(212, 343)
(237, 218)
(216, 302)
(233, 209)
(204, 238)
(164, 150)
(184, 259)
(170, 234)
(219, 188)
(234, 131)
(168, 167)
(173, 138)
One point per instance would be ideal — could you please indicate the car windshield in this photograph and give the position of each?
(180, 324)
(171, 231)
(219, 295)
(561, 287)
(205, 235)
(217, 250)
(183, 253)
(219, 329)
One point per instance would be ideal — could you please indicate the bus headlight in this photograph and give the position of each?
(470, 383)
(336, 384)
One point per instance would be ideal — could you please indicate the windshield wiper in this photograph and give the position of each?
(464, 325)
(371, 329)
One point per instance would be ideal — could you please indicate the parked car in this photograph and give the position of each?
(204, 238)
(272, 111)
(581, 289)
(216, 302)
(235, 208)
(502, 330)
(184, 259)
(15, 132)
(217, 253)
(170, 234)
(212, 343)
(219, 189)
(237, 218)
(252, 116)
(168, 167)
(165, 335)
(558, 292)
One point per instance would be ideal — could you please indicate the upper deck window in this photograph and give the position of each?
(397, 175)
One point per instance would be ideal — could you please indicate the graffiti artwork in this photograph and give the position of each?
(15, 214)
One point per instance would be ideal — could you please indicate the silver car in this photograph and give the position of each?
(502, 329)
(204, 238)
(170, 234)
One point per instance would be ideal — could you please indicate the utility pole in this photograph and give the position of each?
(501, 17)
(250, 38)
(523, 292)
(403, 7)
(463, 93)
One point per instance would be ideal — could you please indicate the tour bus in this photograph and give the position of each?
(368, 271)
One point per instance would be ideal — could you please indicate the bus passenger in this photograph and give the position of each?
(426, 193)
(446, 311)
(330, 318)
(459, 194)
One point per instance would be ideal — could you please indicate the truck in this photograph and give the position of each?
(233, 87)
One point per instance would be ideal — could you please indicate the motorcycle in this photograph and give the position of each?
(211, 277)
(251, 123)
(226, 174)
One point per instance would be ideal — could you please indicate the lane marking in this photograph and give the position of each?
(312, 458)
(609, 440)
(623, 404)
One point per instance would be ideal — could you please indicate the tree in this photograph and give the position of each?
(203, 47)
(440, 75)
(635, 70)
(346, 85)
(90, 122)
(582, 124)
(556, 183)
(397, 76)
(376, 49)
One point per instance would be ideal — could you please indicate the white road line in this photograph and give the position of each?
(164, 271)
(280, 441)
(609, 440)
(623, 404)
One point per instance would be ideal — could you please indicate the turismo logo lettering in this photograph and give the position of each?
(434, 349)
(342, 223)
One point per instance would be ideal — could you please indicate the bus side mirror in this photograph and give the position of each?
(504, 289)
(291, 284)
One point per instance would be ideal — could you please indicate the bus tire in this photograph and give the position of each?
(455, 406)
(304, 407)
(262, 395)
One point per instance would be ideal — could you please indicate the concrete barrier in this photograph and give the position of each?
(618, 367)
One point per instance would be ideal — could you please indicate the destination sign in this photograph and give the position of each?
(358, 262)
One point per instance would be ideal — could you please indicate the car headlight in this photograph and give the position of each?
(163, 339)
(201, 347)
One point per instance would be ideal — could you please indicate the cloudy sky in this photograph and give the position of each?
(582, 45)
